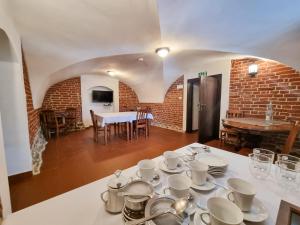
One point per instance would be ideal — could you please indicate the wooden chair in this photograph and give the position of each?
(98, 129)
(291, 138)
(234, 114)
(230, 136)
(141, 122)
(70, 117)
(52, 123)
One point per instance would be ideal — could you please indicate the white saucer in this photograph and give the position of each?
(191, 208)
(153, 182)
(213, 160)
(217, 174)
(197, 220)
(163, 167)
(207, 186)
(258, 212)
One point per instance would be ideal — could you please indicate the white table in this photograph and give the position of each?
(120, 117)
(83, 206)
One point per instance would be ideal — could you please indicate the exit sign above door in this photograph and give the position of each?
(202, 74)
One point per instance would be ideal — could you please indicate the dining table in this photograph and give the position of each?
(121, 117)
(257, 125)
(252, 130)
(83, 206)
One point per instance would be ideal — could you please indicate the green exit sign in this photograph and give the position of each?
(202, 74)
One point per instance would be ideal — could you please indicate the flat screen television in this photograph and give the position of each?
(102, 96)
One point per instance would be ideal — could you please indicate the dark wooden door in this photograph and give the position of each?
(209, 110)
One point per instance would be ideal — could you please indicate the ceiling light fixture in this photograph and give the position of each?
(162, 52)
(110, 73)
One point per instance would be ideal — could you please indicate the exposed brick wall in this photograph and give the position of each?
(32, 114)
(274, 82)
(63, 95)
(127, 97)
(168, 114)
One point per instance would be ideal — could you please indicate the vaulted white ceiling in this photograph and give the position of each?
(65, 38)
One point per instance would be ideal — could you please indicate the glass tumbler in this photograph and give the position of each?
(266, 152)
(288, 174)
(260, 165)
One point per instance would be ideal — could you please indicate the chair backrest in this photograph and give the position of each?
(234, 114)
(141, 116)
(49, 116)
(93, 119)
(291, 138)
(70, 112)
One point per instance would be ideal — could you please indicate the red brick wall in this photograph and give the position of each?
(32, 114)
(127, 97)
(274, 82)
(63, 95)
(168, 114)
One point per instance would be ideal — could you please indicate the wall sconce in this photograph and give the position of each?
(252, 69)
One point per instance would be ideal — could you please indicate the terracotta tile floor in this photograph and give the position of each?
(75, 160)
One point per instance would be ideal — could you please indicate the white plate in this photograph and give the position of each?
(154, 183)
(164, 167)
(207, 186)
(191, 208)
(258, 212)
(218, 174)
(162, 202)
(197, 220)
(213, 160)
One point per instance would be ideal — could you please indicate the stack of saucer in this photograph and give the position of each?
(217, 165)
(130, 215)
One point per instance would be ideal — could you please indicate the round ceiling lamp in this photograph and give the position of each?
(162, 52)
(111, 73)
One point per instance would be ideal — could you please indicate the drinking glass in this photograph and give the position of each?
(266, 152)
(287, 157)
(288, 173)
(260, 165)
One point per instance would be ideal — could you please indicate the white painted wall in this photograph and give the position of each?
(97, 82)
(213, 67)
(14, 115)
(13, 100)
(4, 188)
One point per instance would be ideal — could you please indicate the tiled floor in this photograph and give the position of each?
(75, 160)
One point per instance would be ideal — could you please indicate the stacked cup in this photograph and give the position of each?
(197, 172)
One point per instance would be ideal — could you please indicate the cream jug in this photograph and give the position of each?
(112, 197)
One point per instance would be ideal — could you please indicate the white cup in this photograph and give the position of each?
(198, 172)
(146, 169)
(179, 186)
(242, 193)
(171, 160)
(221, 212)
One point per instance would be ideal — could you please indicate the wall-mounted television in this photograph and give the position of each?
(102, 96)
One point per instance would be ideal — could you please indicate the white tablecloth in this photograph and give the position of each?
(83, 206)
(119, 117)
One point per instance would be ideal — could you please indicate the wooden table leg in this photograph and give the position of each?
(131, 130)
(127, 130)
(105, 134)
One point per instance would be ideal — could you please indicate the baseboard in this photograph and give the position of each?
(19, 177)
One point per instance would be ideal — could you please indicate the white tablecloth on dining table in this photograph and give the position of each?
(119, 117)
(83, 206)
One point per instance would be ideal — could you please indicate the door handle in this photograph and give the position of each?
(202, 106)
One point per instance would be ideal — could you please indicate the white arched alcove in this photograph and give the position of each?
(97, 82)
(13, 110)
(15, 155)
